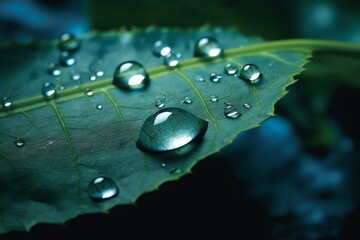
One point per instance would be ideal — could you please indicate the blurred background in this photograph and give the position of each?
(295, 177)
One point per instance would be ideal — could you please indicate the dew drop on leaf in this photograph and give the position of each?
(231, 112)
(250, 73)
(172, 59)
(68, 42)
(75, 75)
(169, 129)
(199, 78)
(99, 107)
(102, 188)
(19, 142)
(230, 69)
(160, 49)
(187, 100)
(163, 165)
(174, 171)
(214, 77)
(131, 75)
(92, 77)
(214, 99)
(54, 69)
(228, 103)
(160, 103)
(67, 59)
(89, 92)
(207, 47)
(247, 105)
(6, 102)
(48, 89)
(96, 67)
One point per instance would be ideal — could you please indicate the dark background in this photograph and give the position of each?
(295, 177)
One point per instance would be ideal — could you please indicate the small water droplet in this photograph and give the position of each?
(67, 59)
(169, 129)
(68, 42)
(174, 171)
(54, 69)
(102, 188)
(19, 142)
(159, 103)
(250, 73)
(199, 79)
(172, 59)
(48, 89)
(214, 99)
(92, 77)
(131, 75)
(207, 47)
(232, 112)
(247, 105)
(6, 102)
(89, 92)
(163, 164)
(61, 88)
(160, 49)
(228, 103)
(214, 77)
(96, 67)
(99, 106)
(187, 100)
(230, 69)
(75, 75)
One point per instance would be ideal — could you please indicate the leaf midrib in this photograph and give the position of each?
(284, 45)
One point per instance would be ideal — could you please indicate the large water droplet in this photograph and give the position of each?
(250, 73)
(214, 77)
(187, 100)
(169, 129)
(48, 89)
(230, 69)
(160, 103)
(232, 112)
(99, 107)
(54, 69)
(199, 79)
(207, 47)
(214, 99)
(89, 92)
(6, 102)
(172, 59)
(19, 142)
(247, 105)
(102, 188)
(67, 59)
(68, 42)
(160, 49)
(131, 75)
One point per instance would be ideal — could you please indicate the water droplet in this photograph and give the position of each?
(214, 99)
(161, 49)
(92, 77)
(48, 89)
(6, 102)
(250, 73)
(61, 88)
(159, 103)
(96, 67)
(163, 164)
(99, 106)
(68, 42)
(199, 79)
(67, 59)
(54, 69)
(169, 129)
(102, 188)
(174, 171)
(131, 75)
(214, 77)
(187, 100)
(231, 112)
(228, 103)
(207, 47)
(75, 75)
(19, 142)
(89, 92)
(172, 59)
(247, 105)
(230, 69)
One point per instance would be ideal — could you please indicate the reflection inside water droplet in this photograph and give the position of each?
(67, 59)
(250, 73)
(160, 49)
(131, 75)
(54, 69)
(102, 188)
(19, 142)
(169, 129)
(48, 89)
(207, 47)
(6, 102)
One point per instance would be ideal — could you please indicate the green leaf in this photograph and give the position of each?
(69, 142)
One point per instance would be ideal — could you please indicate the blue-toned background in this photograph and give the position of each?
(295, 177)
